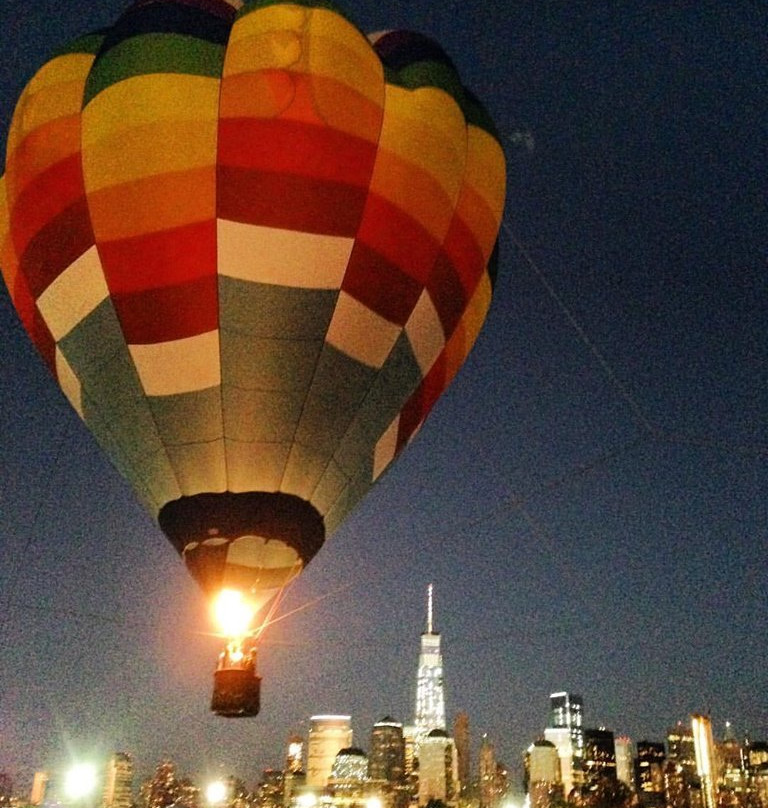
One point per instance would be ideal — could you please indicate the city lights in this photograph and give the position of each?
(574, 765)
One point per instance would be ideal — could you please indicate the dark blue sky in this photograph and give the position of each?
(589, 497)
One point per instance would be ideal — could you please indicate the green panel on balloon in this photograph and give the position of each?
(149, 472)
(256, 363)
(188, 417)
(264, 416)
(349, 498)
(114, 389)
(255, 466)
(263, 310)
(303, 471)
(199, 467)
(331, 486)
(155, 53)
(94, 340)
(339, 387)
(393, 383)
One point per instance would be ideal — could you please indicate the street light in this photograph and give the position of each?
(216, 793)
(80, 781)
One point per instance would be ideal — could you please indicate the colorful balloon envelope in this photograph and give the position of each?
(254, 247)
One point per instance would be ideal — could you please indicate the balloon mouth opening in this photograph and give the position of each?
(216, 534)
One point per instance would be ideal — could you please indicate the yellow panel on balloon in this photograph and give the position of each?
(149, 99)
(156, 203)
(38, 103)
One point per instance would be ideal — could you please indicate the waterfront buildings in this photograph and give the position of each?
(118, 782)
(328, 735)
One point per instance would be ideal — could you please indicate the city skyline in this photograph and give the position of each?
(342, 735)
(327, 733)
(588, 497)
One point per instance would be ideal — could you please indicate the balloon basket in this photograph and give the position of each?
(236, 691)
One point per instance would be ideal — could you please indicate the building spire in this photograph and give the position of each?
(430, 699)
(429, 609)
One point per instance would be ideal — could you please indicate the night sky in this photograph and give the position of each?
(588, 498)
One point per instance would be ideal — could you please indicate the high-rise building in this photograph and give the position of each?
(650, 765)
(542, 774)
(328, 734)
(39, 788)
(704, 748)
(599, 760)
(565, 731)
(438, 769)
(625, 759)
(462, 740)
(567, 710)
(677, 793)
(757, 755)
(118, 782)
(732, 774)
(561, 739)
(294, 755)
(430, 698)
(350, 763)
(492, 775)
(386, 759)
(349, 785)
(680, 748)
(294, 777)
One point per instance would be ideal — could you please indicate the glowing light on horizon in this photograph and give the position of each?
(80, 781)
(216, 792)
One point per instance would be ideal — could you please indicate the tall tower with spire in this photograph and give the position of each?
(430, 699)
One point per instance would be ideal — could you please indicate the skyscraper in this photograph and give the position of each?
(295, 777)
(294, 756)
(430, 699)
(560, 738)
(680, 748)
(567, 710)
(488, 785)
(599, 762)
(438, 769)
(461, 739)
(118, 783)
(542, 774)
(625, 770)
(704, 748)
(565, 731)
(649, 773)
(39, 788)
(386, 760)
(328, 734)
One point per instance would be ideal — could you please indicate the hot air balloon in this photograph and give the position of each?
(253, 246)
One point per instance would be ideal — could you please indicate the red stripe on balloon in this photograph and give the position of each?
(170, 313)
(380, 285)
(289, 202)
(465, 255)
(56, 245)
(154, 260)
(295, 147)
(44, 198)
(399, 238)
